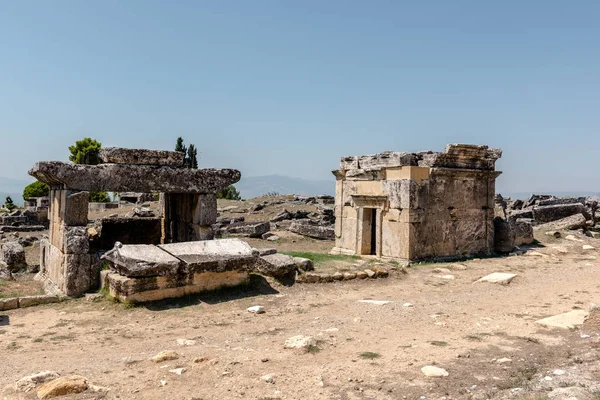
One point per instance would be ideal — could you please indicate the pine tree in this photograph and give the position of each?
(192, 157)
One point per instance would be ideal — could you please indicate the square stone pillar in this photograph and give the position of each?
(188, 217)
(65, 261)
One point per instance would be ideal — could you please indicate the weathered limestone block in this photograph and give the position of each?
(520, 214)
(523, 232)
(13, 254)
(576, 221)
(251, 229)
(134, 178)
(29, 301)
(118, 155)
(9, 303)
(313, 231)
(136, 260)
(72, 240)
(213, 255)
(78, 276)
(387, 159)
(276, 265)
(206, 211)
(70, 208)
(154, 288)
(364, 175)
(504, 236)
(543, 214)
(402, 193)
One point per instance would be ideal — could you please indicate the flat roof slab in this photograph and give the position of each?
(133, 178)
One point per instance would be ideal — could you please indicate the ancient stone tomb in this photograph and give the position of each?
(69, 264)
(417, 205)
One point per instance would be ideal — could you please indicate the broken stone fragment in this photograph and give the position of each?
(572, 222)
(218, 255)
(165, 355)
(65, 385)
(435, 372)
(276, 265)
(29, 382)
(136, 260)
(300, 342)
(118, 155)
(502, 278)
(304, 264)
(313, 231)
(250, 229)
(544, 214)
(568, 320)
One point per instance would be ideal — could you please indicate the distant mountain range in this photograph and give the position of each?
(13, 188)
(526, 195)
(254, 186)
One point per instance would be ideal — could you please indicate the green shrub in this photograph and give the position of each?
(36, 189)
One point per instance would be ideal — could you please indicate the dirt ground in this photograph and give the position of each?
(363, 351)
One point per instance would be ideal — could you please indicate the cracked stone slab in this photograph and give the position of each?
(213, 255)
(568, 320)
(136, 260)
(503, 278)
(133, 178)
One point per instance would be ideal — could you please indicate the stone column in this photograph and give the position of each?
(65, 261)
(188, 216)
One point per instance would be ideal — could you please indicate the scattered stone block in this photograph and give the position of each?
(435, 372)
(502, 278)
(304, 264)
(300, 342)
(250, 229)
(276, 265)
(266, 252)
(256, 309)
(588, 247)
(568, 320)
(544, 214)
(13, 254)
(572, 222)
(370, 273)
(313, 231)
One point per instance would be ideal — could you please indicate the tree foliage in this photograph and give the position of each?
(85, 151)
(99, 197)
(36, 189)
(229, 193)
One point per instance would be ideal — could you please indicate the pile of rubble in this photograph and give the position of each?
(23, 221)
(316, 224)
(516, 219)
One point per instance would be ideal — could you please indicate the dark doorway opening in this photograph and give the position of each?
(373, 231)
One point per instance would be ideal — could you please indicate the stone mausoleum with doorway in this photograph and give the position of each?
(415, 206)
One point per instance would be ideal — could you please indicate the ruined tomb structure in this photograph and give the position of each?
(414, 206)
(69, 265)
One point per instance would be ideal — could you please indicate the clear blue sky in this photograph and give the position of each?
(289, 87)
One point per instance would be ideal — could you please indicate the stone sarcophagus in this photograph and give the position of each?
(415, 206)
(188, 207)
